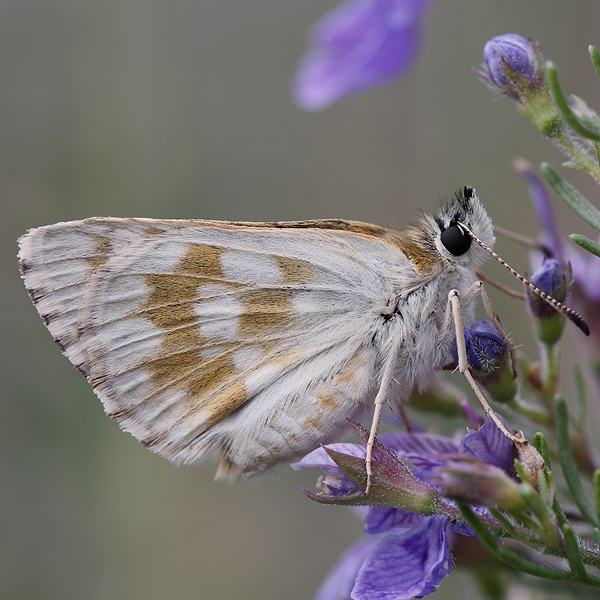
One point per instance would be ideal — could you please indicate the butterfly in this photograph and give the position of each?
(253, 342)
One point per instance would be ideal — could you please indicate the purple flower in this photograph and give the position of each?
(489, 357)
(550, 237)
(507, 56)
(406, 563)
(485, 346)
(552, 279)
(356, 46)
(407, 554)
(585, 267)
(516, 67)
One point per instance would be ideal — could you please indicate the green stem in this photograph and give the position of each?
(551, 363)
(504, 554)
(577, 555)
(567, 112)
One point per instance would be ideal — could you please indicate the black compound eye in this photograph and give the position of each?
(455, 240)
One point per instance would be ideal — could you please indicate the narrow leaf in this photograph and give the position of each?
(573, 553)
(541, 445)
(595, 56)
(563, 105)
(587, 211)
(586, 243)
(575, 164)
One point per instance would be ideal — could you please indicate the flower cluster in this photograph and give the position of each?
(407, 553)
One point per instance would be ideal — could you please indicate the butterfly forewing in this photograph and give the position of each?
(199, 337)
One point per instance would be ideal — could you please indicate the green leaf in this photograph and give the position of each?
(541, 445)
(591, 123)
(575, 164)
(586, 243)
(587, 211)
(573, 553)
(563, 105)
(595, 56)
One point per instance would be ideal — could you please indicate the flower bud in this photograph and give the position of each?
(489, 358)
(469, 480)
(552, 279)
(515, 66)
(509, 56)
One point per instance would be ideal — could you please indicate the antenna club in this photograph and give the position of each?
(573, 316)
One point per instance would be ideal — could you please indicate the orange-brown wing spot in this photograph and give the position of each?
(179, 365)
(419, 248)
(295, 271)
(101, 252)
(328, 401)
(266, 313)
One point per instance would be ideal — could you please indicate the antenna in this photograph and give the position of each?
(553, 302)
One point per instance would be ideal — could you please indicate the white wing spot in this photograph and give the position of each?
(246, 358)
(250, 267)
(261, 377)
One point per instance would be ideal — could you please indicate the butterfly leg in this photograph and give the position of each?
(453, 312)
(381, 397)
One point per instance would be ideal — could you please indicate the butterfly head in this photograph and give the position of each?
(458, 217)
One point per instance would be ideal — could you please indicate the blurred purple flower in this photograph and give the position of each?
(550, 236)
(358, 45)
(406, 554)
(585, 267)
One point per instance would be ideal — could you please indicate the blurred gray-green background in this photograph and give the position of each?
(181, 109)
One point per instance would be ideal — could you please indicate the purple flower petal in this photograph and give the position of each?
(423, 451)
(336, 482)
(488, 444)
(380, 519)
(359, 44)
(403, 566)
(421, 445)
(321, 460)
(543, 207)
(340, 580)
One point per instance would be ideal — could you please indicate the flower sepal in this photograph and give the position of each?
(393, 483)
